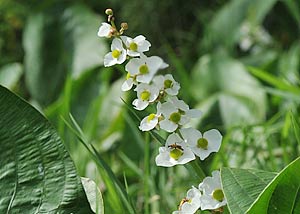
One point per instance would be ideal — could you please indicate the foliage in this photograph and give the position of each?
(237, 61)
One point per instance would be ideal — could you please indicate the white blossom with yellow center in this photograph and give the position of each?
(191, 203)
(117, 54)
(174, 152)
(202, 145)
(151, 121)
(145, 95)
(176, 113)
(167, 83)
(144, 68)
(212, 193)
(136, 46)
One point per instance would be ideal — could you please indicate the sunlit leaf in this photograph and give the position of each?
(243, 186)
(282, 194)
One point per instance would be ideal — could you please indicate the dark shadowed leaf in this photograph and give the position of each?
(36, 172)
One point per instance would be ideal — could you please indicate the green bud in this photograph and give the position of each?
(109, 12)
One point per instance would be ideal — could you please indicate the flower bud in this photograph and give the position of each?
(124, 26)
(109, 12)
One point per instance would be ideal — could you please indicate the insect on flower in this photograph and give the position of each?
(175, 146)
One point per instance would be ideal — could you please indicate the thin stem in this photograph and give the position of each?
(146, 172)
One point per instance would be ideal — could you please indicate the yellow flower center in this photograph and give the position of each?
(133, 46)
(115, 53)
(202, 143)
(150, 117)
(128, 76)
(218, 195)
(168, 83)
(144, 69)
(175, 117)
(176, 153)
(145, 95)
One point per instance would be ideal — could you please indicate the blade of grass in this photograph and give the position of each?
(100, 162)
(274, 81)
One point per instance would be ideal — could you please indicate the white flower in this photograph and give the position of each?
(176, 113)
(202, 146)
(212, 194)
(144, 68)
(136, 46)
(151, 121)
(167, 84)
(174, 152)
(129, 82)
(146, 94)
(105, 30)
(117, 54)
(191, 203)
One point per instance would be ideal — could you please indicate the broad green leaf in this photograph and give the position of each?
(58, 42)
(224, 28)
(240, 97)
(10, 75)
(282, 194)
(80, 32)
(45, 71)
(243, 186)
(93, 194)
(37, 174)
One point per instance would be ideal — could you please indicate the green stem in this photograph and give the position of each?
(146, 172)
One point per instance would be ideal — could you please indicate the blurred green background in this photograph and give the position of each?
(238, 61)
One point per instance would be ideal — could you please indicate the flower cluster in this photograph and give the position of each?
(172, 115)
(208, 196)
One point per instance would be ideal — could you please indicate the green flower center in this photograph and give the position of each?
(150, 117)
(176, 153)
(145, 95)
(175, 117)
(202, 143)
(115, 53)
(168, 83)
(133, 46)
(144, 69)
(218, 195)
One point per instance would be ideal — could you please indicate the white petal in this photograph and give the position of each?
(140, 104)
(117, 44)
(167, 125)
(139, 38)
(104, 30)
(191, 135)
(109, 60)
(193, 113)
(214, 139)
(127, 85)
(146, 125)
(133, 66)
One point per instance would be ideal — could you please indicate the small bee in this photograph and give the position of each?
(175, 146)
(184, 200)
